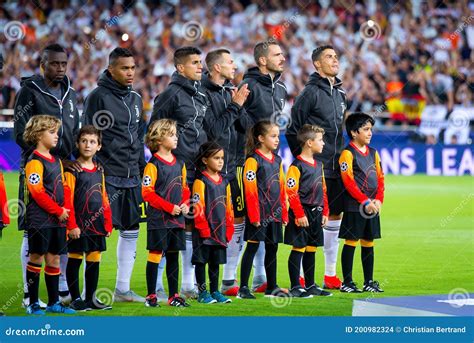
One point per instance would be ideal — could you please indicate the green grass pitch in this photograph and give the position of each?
(427, 248)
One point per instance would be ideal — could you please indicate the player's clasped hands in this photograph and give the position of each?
(373, 207)
(176, 210)
(239, 96)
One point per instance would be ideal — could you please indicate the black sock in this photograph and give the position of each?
(92, 279)
(228, 282)
(294, 262)
(308, 268)
(347, 259)
(247, 262)
(200, 271)
(213, 270)
(151, 275)
(72, 277)
(172, 272)
(367, 256)
(33, 271)
(52, 285)
(271, 265)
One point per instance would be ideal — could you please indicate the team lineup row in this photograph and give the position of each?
(212, 118)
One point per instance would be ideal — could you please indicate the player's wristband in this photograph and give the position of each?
(366, 202)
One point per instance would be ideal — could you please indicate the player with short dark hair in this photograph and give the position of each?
(323, 102)
(363, 178)
(48, 208)
(116, 109)
(94, 220)
(308, 213)
(49, 93)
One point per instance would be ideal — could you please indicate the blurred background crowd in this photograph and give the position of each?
(396, 57)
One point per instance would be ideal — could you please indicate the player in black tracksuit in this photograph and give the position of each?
(323, 103)
(52, 94)
(116, 109)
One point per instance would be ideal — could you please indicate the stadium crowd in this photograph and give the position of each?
(415, 49)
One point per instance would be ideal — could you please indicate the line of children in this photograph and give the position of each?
(76, 204)
(93, 218)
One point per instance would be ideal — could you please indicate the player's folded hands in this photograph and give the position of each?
(65, 215)
(75, 233)
(303, 221)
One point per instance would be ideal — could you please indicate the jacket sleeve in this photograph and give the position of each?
(163, 107)
(5, 217)
(34, 181)
(141, 138)
(284, 207)
(251, 190)
(108, 222)
(199, 203)
(24, 108)
(380, 178)
(150, 176)
(215, 124)
(244, 122)
(347, 175)
(76, 128)
(303, 106)
(229, 217)
(292, 188)
(186, 192)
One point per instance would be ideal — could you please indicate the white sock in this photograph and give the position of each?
(126, 254)
(331, 246)
(233, 252)
(159, 278)
(24, 259)
(62, 277)
(259, 275)
(187, 270)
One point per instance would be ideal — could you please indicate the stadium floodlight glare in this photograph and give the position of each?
(87, 30)
(125, 37)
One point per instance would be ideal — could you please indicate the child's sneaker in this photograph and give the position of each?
(177, 301)
(318, 291)
(332, 282)
(220, 298)
(79, 305)
(34, 309)
(98, 305)
(65, 298)
(350, 287)
(205, 298)
(372, 286)
(299, 292)
(59, 308)
(151, 301)
(231, 290)
(244, 293)
(277, 292)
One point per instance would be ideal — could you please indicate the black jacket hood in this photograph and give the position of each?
(265, 79)
(106, 80)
